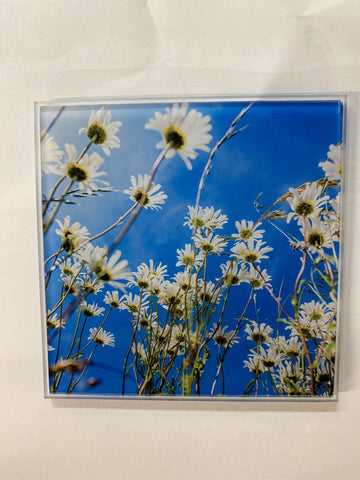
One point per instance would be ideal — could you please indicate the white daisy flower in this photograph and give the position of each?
(232, 273)
(216, 218)
(210, 243)
(291, 347)
(333, 218)
(84, 171)
(139, 351)
(133, 303)
(332, 166)
(313, 319)
(207, 217)
(316, 311)
(72, 235)
(112, 299)
(251, 252)
(170, 294)
(307, 202)
(108, 270)
(146, 274)
(182, 132)
(92, 285)
(222, 338)
(323, 374)
(258, 333)
(69, 268)
(254, 365)
(151, 272)
(50, 154)
(102, 337)
(102, 131)
(290, 374)
(270, 357)
(54, 322)
(317, 234)
(141, 193)
(209, 293)
(184, 280)
(186, 257)
(258, 278)
(247, 230)
(155, 286)
(145, 320)
(91, 310)
(75, 288)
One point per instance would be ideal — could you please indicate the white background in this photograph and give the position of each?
(86, 48)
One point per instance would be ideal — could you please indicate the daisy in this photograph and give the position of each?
(222, 338)
(257, 279)
(251, 252)
(50, 154)
(317, 234)
(54, 322)
(232, 274)
(108, 270)
(209, 292)
(139, 351)
(210, 243)
(101, 131)
(186, 257)
(333, 217)
(247, 230)
(151, 272)
(254, 365)
(332, 166)
(182, 132)
(75, 288)
(199, 217)
(155, 286)
(316, 311)
(161, 336)
(145, 320)
(170, 294)
(133, 303)
(112, 299)
(291, 347)
(146, 274)
(185, 281)
(92, 285)
(290, 374)
(72, 235)
(307, 202)
(91, 310)
(102, 337)
(144, 194)
(270, 357)
(258, 333)
(83, 171)
(323, 373)
(69, 268)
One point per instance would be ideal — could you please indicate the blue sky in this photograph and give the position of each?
(280, 148)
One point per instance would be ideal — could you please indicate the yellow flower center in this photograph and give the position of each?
(98, 131)
(245, 233)
(77, 172)
(304, 207)
(316, 239)
(250, 257)
(174, 137)
(102, 273)
(141, 197)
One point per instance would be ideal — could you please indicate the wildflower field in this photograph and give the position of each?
(191, 249)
